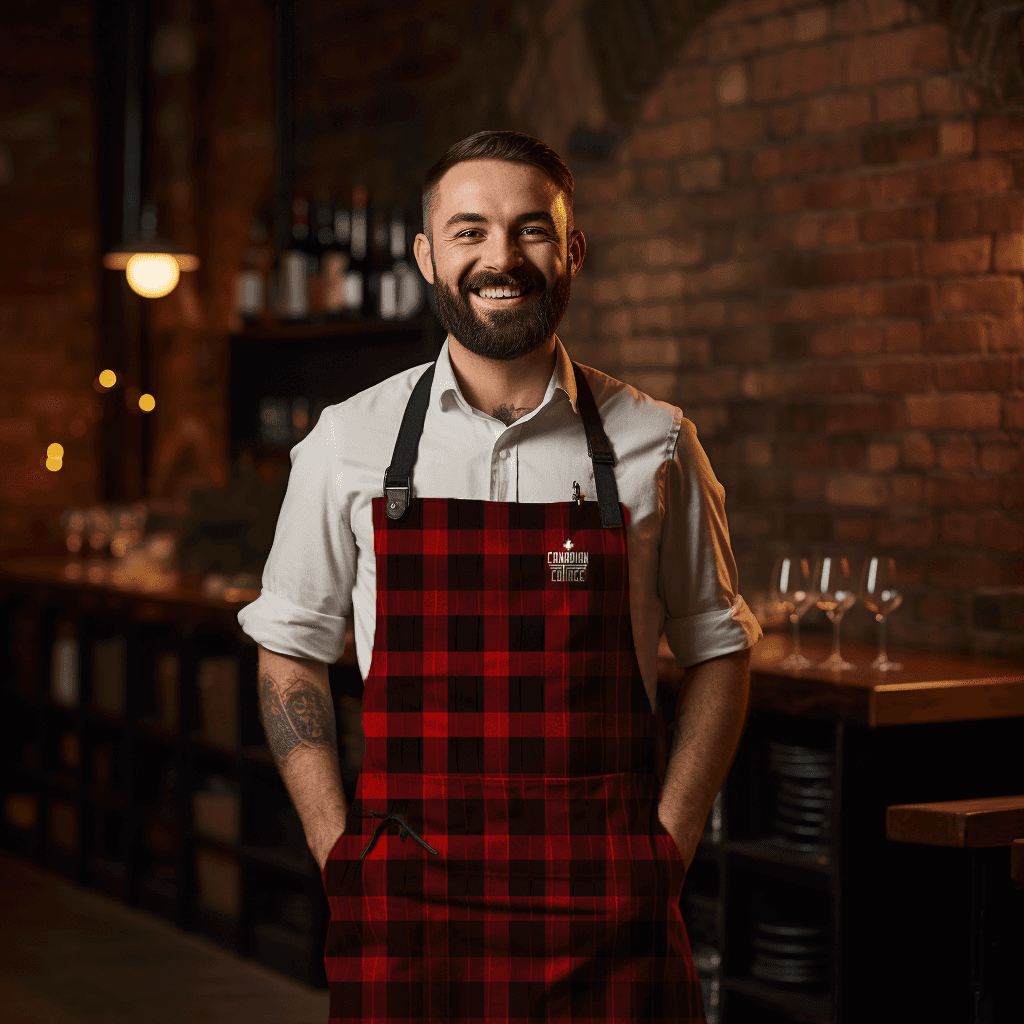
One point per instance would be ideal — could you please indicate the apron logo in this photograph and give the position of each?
(568, 565)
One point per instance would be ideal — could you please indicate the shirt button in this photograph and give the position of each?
(504, 453)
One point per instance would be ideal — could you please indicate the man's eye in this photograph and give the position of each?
(540, 231)
(468, 231)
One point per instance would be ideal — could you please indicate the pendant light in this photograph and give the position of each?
(152, 265)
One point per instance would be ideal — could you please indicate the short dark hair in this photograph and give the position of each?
(498, 145)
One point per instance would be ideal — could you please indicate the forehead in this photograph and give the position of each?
(498, 189)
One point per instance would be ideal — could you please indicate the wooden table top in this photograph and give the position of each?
(933, 686)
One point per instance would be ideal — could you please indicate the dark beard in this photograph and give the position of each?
(505, 334)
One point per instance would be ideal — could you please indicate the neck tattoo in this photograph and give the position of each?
(508, 414)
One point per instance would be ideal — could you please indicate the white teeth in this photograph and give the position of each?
(498, 293)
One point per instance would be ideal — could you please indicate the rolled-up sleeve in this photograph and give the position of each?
(306, 597)
(705, 616)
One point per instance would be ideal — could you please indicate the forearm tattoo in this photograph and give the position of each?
(295, 714)
(508, 414)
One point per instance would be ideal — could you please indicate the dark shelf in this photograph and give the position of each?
(330, 327)
(811, 1006)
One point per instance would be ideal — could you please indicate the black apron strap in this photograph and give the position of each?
(398, 476)
(600, 452)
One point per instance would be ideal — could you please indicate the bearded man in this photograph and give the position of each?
(512, 533)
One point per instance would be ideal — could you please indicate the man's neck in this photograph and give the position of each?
(504, 390)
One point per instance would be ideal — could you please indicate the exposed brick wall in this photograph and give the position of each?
(49, 266)
(812, 241)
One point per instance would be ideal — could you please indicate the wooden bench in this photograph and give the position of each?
(976, 826)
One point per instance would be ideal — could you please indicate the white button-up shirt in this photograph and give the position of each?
(682, 575)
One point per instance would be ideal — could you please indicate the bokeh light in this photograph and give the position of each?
(108, 378)
(53, 465)
(55, 451)
(147, 403)
(152, 274)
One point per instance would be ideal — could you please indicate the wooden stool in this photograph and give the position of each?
(973, 825)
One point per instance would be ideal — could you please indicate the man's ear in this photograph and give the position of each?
(421, 250)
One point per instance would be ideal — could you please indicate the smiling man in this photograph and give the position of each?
(511, 533)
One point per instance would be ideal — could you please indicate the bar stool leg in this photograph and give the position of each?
(979, 938)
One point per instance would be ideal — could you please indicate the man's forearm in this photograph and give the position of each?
(298, 718)
(710, 713)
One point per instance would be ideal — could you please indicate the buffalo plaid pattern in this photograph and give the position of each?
(507, 726)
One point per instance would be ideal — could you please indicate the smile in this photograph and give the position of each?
(503, 293)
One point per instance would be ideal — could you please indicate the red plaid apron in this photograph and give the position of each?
(509, 735)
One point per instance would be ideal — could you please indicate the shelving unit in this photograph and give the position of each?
(106, 798)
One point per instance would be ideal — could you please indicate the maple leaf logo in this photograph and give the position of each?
(568, 545)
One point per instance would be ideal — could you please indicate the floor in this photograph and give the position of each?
(72, 956)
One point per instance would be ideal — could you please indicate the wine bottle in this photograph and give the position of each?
(334, 263)
(355, 278)
(380, 262)
(410, 288)
(250, 283)
(294, 274)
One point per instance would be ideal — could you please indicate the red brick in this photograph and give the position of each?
(784, 198)
(850, 17)
(687, 91)
(898, 378)
(950, 259)
(829, 304)
(990, 175)
(1001, 134)
(919, 532)
(1000, 458)
(940, 95)
(904, 339)
(882, 458)
(907, 490)
(1009, 254)
(858, 489)
(837, 113)
(918, 451)
(990, 294)
(805, 452)
(863, 416)
(1006, 334)
(961, 336)
(995, 374)
(1001, 213)
(655, 180)
(899, 300)
(957, 137)
(849, 454)
(968, 491)
(784, 119)
(808, 487)
(965, 573)
(775, 32)
(959, 455)
(797, 72)
(1001, 533)
(846, 340)
(1011, 492)
(958, 218)
(900, 261)
(885, 13)
(703, 173)
(841, 230)
(738, 128)
(908, 146)
(897, 102)
(959, 529)
(899, 54)
(673, 140)
(852, 531)
(826, 380)
(954, 412)
(768, 162)
(864, 265)
(890, 225)
(836, 193)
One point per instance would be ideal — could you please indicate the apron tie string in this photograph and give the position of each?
(404, 830)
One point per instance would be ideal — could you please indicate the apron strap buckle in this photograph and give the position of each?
(396, 500)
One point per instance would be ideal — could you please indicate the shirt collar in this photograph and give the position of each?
(445, 389)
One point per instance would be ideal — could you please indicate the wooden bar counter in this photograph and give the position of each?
(889, 924)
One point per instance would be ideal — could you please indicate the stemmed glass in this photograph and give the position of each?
(880, 595)
(791, 588)
(833, 585)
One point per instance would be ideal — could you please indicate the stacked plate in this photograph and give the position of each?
(789, 953)
(801, 817)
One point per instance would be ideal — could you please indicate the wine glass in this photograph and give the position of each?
(881, 596)
(791, 588)
(833, 585)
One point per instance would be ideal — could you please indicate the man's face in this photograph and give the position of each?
(500, 262)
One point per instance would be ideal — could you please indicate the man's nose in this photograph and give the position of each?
(503, 253)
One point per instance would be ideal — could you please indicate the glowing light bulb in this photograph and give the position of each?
(147, 403)
(108, 378)
(53, 465)
(152, 274)
(55, 451)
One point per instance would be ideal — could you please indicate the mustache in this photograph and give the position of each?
(496, 281)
